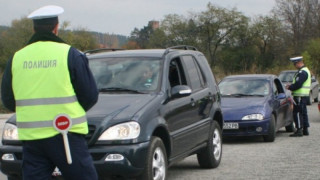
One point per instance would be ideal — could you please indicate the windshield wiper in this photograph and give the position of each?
(241, 95)
(119, 89)
(259, 95)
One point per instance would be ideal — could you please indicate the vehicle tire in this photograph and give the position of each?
(316, 99)
(156, 162)
(309, 100)
(271, 131)
(290, 127)
(210, 156)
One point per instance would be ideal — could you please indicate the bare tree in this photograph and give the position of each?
(301, 17)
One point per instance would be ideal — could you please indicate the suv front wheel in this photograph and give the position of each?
(210, 156)
(156, 162)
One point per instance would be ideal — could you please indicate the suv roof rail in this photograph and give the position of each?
(102, 49)
(183, 47)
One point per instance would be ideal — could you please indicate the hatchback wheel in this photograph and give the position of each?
(290, 127)
(310, 99)
(156, 162)
(271, 131)
(210, 156)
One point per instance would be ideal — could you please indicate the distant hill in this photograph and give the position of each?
(3, 28)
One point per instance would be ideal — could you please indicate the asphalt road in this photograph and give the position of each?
(251, 158)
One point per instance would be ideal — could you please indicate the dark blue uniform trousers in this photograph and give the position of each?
(300, 113)
(40, 157)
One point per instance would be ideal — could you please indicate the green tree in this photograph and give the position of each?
(216, 24)
(158, 39)
(17, 36)
(268, 35)
(14, 38)
(180, 30)
(80, 38)
(83, 40)
(311, 56)
(142, 37)
(238, 53)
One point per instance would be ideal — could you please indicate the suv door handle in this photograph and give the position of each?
(210, 96)
(193, 103)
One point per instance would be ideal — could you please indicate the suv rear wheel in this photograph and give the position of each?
(156, 163)
(210, 157)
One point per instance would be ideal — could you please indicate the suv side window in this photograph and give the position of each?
(176, 73)
(194, 73)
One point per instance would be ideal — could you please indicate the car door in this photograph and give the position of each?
(314, 88)
(184, 119)
(281, 106)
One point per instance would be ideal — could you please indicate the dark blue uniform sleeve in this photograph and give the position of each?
(6, 88)
(82, 79)
(300, 79)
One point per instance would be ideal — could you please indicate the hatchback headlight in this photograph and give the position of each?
(10, 132)
(128, 130)
(253, 117)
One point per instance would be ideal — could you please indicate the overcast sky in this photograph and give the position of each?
(122, 16)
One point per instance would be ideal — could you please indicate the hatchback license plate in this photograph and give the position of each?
(231, 126)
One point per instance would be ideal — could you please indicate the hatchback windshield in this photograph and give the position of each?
(126, 74)
(244, 87)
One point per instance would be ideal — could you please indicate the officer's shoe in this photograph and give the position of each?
(298, 133)
(305, 131)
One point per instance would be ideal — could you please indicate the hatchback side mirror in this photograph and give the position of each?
(281, 96)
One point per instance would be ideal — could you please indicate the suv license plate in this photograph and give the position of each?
(231, 126)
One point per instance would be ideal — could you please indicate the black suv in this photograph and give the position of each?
(155, 108)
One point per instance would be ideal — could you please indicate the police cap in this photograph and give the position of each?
(50, 11)
(296, 59)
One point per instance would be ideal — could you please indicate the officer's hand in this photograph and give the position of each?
(287, 86)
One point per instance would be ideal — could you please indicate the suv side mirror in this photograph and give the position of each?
(180, 91)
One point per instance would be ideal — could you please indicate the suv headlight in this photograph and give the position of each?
(10, 132)
(253, 117)
(128, 130)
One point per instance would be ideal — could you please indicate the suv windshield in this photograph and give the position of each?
(126, 74)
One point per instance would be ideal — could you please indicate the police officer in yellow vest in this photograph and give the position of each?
(45, 79)
(300, 88)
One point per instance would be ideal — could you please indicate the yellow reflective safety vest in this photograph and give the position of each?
(305, 89)
(42, 89)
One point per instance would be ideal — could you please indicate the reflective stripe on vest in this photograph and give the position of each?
(42, 89)
(48, 123)
(46, 101)
(305, 89)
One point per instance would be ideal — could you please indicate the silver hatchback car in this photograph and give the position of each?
(287, 76)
